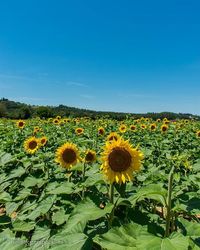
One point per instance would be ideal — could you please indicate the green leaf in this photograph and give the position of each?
(134, 236)
(85, 211)
(69, 241)
(60, 217)
(22, 226)
(152, 191)
(43, 207)
(9, 242)
(62, 188)
(40, 238)
(16, 173)
(5, 197)
(5, 158)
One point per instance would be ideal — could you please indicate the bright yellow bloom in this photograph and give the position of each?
(31, 145)
(67, 155)
(20, 124)
(120, 160)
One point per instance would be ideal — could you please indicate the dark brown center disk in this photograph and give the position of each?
(113, 138)
(21, 124)
(119, 159)
(69, 156)
(89, 157)
(164, 128)
(32, 144)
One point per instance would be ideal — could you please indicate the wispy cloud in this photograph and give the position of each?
(18, 77)
(76, 84)
(89, 97)
(135, 95)
(27, 99)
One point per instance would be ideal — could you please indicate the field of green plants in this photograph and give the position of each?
(69, 183)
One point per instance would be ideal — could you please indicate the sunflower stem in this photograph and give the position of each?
(169, 202)
(83, 178)
(111, 193)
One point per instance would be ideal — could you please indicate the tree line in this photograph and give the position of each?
(16, 110)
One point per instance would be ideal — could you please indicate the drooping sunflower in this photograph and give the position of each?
(122, 128)
(164, 128)
(113, 136)
(43, 140)
(20, 124)
(153, 126)
(101, 131)
(90, 156)
(79, 131)
(67, 155)
(198, 133)
(120, 160)
(31, 145)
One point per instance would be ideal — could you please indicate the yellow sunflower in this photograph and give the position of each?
(153, 126)
(43, 140)
(79, 131)
(36, 130)
(31, 145)
(56, 121)
(90, 156)
(198, 133)
(120, 160)
(113, 136)
(101, 131)
(164, 128)
(20, 124)
(122, 128)
(132, 127)
(143, 126)
(67, 155)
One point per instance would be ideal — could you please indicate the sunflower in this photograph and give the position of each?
(198, 133)
(122, 128)
(90, 156)
(56, 121)
(36, 130)
(101, 131)
(158, 120)
(20, 124)
(164, 128)
(132, 127)
(67, 155)
(79, 131)
(43, 140)
(31, 145)
(143, 126)
(153, 126)
(120, 160)
(58, 117)
(112, 136)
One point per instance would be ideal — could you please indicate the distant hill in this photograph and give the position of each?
(17, 110)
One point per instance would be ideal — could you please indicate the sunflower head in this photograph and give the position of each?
(43, 140)
(90, 156)
(67, 155)
(164, 128)
(56, 121)
(101, 131)
(153, 126)
(20, 124)
(122, 128)
(143, 126)
(36, 130)
(132, 127)
(31, 145)
(113, 136)
(120, 160)
(198, 133)
(79, 131)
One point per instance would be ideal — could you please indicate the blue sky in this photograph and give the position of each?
(119, 55)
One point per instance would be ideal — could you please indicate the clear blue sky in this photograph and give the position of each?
(119, 55)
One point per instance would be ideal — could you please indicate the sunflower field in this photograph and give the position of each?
(77, 183)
